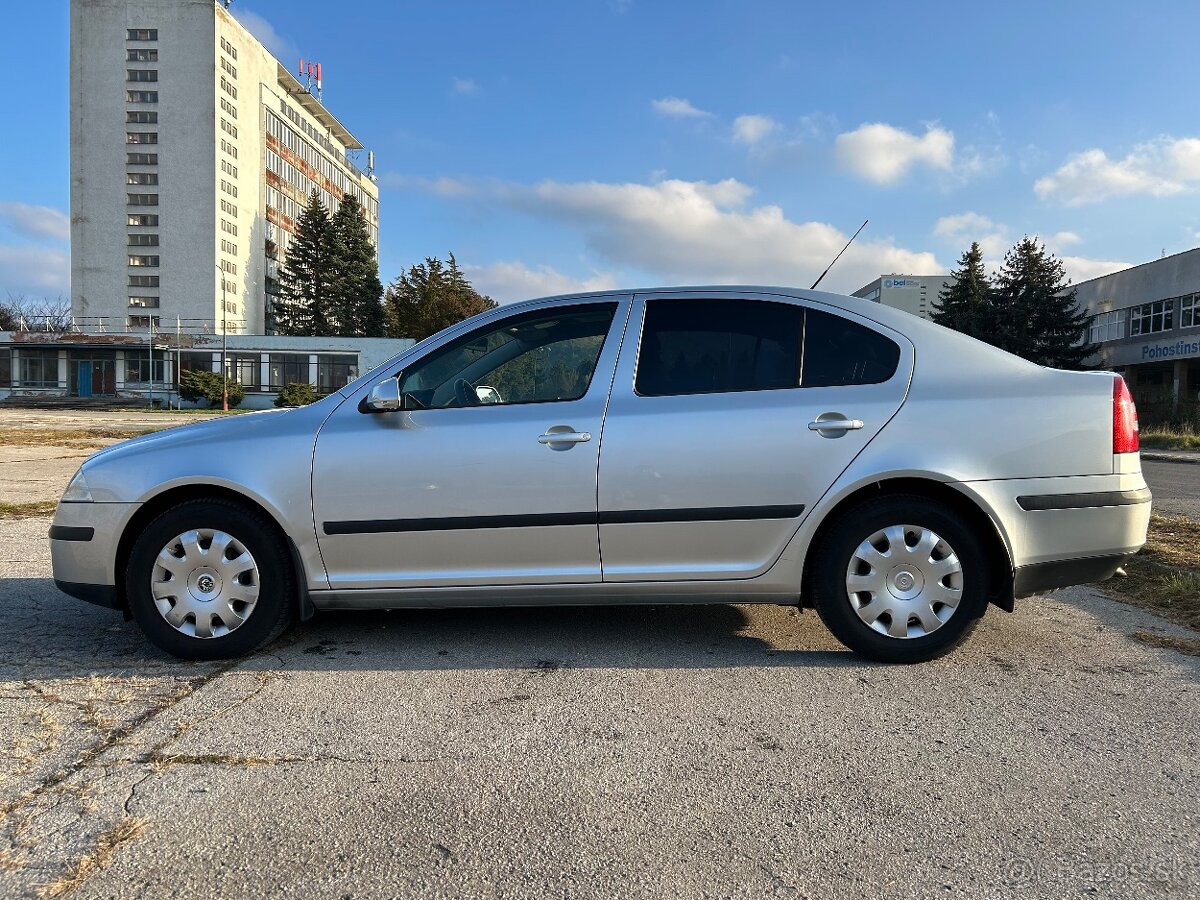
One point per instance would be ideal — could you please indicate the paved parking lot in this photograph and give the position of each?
(724, 751)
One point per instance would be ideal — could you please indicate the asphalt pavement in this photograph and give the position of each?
(1175, 485)
(720, 751)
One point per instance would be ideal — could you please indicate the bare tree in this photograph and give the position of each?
(21, 313)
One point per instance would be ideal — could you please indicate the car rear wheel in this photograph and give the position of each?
(209, 579)
(900, 579)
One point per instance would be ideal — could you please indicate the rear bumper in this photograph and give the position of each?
(1048, 576)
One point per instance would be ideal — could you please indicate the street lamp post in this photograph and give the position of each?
(224, 344)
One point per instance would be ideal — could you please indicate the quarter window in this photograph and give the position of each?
(719, 346)
(538, 357)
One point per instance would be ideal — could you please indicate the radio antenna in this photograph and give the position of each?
(840, 252)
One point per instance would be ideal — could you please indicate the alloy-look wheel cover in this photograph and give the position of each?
(904, 581)
(204, 583)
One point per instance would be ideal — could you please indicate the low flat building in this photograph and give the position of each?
(912, 293)
(145, 369)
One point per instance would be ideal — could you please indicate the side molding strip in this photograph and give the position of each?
(1038, 502)
(547, 520)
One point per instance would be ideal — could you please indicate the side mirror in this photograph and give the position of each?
(384, 397)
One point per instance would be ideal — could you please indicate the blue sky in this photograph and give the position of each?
(594, 143)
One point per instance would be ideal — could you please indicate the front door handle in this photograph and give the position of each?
(564, 436)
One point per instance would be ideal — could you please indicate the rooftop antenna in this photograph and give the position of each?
(840, 252)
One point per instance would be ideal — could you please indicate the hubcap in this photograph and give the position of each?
(904, 581)
(204, 583)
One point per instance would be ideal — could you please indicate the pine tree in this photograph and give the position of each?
(1035, 311)
(306, 275)
(966, 304)
(429, 297)
(353, 303)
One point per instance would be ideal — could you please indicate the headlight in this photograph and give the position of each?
(77, 491)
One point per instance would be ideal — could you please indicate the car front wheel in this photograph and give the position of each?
(900, 579)
(209, 579)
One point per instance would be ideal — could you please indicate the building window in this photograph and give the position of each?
(227, 266)
(228, 227)
(229, 128)
(1189, 311)
(229, 67)
(288, 368)
(143, 240)
(151, 261)
(228, 168)
(228, 87)
(229, 108)
(229, 188)
(228, 247)
(227, 207)
(229, 287)
(38, 368)
(141, 137)
(141, 96)
(141, 178)
(141, 74)
(141, 323)
(143, 281)
(141, 159)
(229, 48)
(195, 362)
(142, 199)
(229, 148)
(1109, 326)
(244, 369)
(141, 55)
(142, 117)
(141, 219)
(335, 372)
(138, 369)
(144, 302)
(141, 34)
(1150, 318)
(5, 368)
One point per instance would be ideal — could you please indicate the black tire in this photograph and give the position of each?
(833, 555)
(274, 608)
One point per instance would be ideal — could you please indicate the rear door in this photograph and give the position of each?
(708, 461)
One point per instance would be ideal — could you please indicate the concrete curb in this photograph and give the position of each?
(1168, 456)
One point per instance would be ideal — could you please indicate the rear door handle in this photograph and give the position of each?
(836, 427)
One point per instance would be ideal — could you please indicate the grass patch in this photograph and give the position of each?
(99, 858)
(1190, 646)
(27, 510)
(79, 438)
(1164, 578)
(1184, 438)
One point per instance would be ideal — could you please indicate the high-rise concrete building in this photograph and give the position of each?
(911, 293)
(193, 151)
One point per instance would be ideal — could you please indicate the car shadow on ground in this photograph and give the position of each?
(46, 634)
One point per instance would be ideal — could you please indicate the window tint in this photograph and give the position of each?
(838, 351)
(539, 357)
(711, 346)
(715, 346)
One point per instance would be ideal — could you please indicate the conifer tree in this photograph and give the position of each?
(966, 304)
(306, 275)
(429, 297)
(1034, 309)
(353, 303)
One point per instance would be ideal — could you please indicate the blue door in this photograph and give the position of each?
(85, 378)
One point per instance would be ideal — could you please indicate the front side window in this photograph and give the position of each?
(721, 346)
(543, 356)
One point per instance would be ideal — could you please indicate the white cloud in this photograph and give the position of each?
(464, 85)
(695, 231)
(514, 280)
(678, 108)
(36, 221)
(1081, 268)
(443, 186)
(1159, 168)
(277, 45)
(884, 154)
(751, 129)
(36, 271)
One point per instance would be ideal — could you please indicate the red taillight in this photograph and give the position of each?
(1125, 423)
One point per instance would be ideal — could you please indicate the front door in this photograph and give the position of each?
(709, 461)
(488, 475)
(84, 373)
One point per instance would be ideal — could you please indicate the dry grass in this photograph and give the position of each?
(1184, 438)
(98, 859)
(1164, 577)
(11, 860)
(1190, 646)
(27, 510)
(74, 438)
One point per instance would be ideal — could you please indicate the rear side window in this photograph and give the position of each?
(718, 346)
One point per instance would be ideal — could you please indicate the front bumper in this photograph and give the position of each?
(83, 549)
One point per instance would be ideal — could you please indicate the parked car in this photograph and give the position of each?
(703, 445)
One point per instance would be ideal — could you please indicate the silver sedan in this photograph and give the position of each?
(701, 445)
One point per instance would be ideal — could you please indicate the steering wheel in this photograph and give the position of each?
(464, 393)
